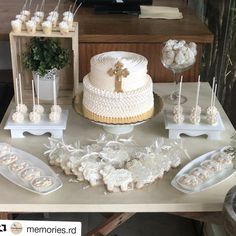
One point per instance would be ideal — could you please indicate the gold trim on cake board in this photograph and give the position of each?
(77, 104)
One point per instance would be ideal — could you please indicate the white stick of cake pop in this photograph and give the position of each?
(34, 116)
(36, 8)
(57, 6)
(212, 90)
(38, 89)
(74, 6)
(17, 94)
(198, 90)
(214, 99)
(32, 82)
(180, 91)
(77, 8)
(54, 91)
(20, 85)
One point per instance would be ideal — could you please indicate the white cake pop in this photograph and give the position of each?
(16, 25)
(54, 116)
(22, 108)
(178, 118)
(22, 18)
(212, 119)
(37, 107)
(47, 27)
(18, 117)
(196, 110)
(34, 116)
(212, 110)
(195, 118)
(36, 19)
(64, 27)
(39, 14)
(177, 109)
(31, 26)
(56, 108)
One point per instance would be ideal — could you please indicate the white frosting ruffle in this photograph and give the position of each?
(112, 104)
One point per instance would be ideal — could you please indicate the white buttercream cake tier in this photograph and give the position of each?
(112, 107)
(134, 63)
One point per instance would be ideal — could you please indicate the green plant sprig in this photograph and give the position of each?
(45, 54)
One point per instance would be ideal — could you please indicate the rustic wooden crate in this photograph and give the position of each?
(69, 76)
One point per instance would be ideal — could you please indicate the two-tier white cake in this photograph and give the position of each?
(118, 89)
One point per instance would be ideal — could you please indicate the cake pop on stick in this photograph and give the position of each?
(17, 116)
(77, 8)
(37, 107)
(21, 107)
(179, 117)
(178, 108)
(34, 116)
(212, 109)
(195, 115)
(55, 114)
(40, 13)
(212, 116)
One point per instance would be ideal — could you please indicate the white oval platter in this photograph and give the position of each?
(35, 162)
(218, 178)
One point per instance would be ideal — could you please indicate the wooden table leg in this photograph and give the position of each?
(5, 216)
(110, 224)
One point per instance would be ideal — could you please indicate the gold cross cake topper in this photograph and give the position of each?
(119, 75)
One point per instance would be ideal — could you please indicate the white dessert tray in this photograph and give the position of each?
(116, 129)
(218, 178)
(35, 162)
(175, 130)
(44, 126)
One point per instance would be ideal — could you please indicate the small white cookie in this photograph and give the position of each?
(30, 173)
(8, 159)
(116, 178)
(5, 149)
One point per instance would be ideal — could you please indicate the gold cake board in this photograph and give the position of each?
(117, 128)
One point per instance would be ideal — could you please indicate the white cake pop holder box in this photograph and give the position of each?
(213, 132)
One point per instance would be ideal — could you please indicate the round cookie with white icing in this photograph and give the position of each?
(43, 183)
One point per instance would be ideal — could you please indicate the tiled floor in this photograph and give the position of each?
(142, 224)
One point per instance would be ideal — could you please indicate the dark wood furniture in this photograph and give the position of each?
(99, 33)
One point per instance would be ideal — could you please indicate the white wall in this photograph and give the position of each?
(5, 57)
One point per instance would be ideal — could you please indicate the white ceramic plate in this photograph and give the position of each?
(35, 162)
(218, 178)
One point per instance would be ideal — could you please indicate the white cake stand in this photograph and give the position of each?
(116, 129)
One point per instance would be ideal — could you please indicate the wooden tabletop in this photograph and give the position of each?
(157, 197)
(119, 28)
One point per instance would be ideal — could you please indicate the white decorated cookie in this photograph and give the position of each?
(141, 175)
(18, 117)
(43, 183)
(30, 173)
(34, 117)
(200, 173)
(8, 159)
(5, 149)
(224, 159)
(91, 172)
(18, 165)
(212, 166)
(188, 181)
(116, 158)
(120, 178)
